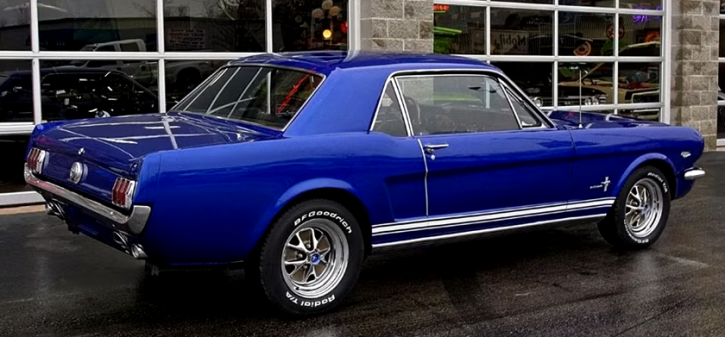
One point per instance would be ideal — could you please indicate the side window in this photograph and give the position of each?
(445, 104)
(389, 117)
(523, 111)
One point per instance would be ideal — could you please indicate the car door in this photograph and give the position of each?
(400, 161)
(491, 159)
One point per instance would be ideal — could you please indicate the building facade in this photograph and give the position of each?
(67, 59)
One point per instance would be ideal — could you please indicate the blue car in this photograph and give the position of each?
(297, 166)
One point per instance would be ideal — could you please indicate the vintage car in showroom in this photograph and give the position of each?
(298, 166)
(636, 82)
(592, 83)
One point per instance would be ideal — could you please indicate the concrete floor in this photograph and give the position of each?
(562, 282)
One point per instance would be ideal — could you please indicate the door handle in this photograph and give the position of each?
(430, 148)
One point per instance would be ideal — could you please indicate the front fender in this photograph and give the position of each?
(637, 163)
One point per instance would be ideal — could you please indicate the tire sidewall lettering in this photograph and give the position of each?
(638, 240)
(660, 179)
(335, 217)
(310, 303)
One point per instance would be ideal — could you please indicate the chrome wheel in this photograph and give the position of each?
(315, 258)
(643, 208)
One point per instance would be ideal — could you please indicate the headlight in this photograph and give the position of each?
(539, 103)
(601, 99)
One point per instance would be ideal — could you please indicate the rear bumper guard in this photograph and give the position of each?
(134, 223)
(694, 173)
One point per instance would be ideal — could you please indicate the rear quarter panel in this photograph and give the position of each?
(213, 205)
(616, 152)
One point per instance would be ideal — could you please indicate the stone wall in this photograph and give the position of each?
(695, 45)
(397, 25)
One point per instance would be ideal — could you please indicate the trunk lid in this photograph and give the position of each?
(119, 143)
(114, 147)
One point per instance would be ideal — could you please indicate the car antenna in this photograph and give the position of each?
(578, 66)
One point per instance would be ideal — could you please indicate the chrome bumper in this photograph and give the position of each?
(133, 223)
(694, 173)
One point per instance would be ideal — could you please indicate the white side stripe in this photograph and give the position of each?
(380, 231)
(490, 216)
(487, 230)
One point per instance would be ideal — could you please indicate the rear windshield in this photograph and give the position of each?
(267, 96)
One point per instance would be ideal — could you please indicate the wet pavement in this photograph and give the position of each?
(554, 282)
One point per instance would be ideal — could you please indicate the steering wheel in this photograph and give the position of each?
(410, 103)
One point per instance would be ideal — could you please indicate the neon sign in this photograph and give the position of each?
(639, 18)
(441, 8)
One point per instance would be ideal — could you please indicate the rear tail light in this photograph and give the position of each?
(36, 160)
(122, 193)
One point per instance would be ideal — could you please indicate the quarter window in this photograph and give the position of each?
(389, 118)
(445, 104)
(524, 112)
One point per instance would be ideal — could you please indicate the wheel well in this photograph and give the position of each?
(667, 170)
(346, 199)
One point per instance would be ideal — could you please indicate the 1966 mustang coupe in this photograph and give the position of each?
(300, 165)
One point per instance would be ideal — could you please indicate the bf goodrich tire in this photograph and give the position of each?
(640, 212)
(311, 258)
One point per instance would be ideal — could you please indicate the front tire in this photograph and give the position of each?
(640, 212)
(311, 258)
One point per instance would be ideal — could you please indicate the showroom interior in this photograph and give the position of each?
(55, 55)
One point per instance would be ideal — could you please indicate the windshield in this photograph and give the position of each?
(267, 96)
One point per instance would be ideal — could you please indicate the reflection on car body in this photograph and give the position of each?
(299, 165)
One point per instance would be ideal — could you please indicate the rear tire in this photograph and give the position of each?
(640, 213)
(310, 259)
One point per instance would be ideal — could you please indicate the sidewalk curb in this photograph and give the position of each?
(22, 209)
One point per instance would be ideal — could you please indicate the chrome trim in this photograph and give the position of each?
(694, 173)
(138, 252)
(77, 172)
(406, 123)
(488, 217)
(425, 177)
(508, 91)
(511, 104)
(487, 230)
(403, 107)
(430, 148)
(568, 205)
(135, 223)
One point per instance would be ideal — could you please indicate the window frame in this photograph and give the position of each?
(508, 91)
(397, 95)
(502, 79)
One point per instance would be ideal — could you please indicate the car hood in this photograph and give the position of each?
(120, 142)
(596, 120)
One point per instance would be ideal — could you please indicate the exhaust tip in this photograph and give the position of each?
(52, 208)
(137, 252)
(120, 240)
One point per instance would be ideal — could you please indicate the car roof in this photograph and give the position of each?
(327, 61)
